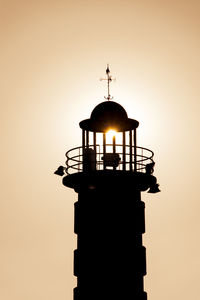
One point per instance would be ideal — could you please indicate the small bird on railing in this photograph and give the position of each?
(60, 171)
(154, 189)
(150, 168)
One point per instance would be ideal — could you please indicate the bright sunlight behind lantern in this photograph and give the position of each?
(110, 134)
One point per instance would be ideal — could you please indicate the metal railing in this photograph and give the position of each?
(77, 158)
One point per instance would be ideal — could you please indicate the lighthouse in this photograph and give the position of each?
(109, 171)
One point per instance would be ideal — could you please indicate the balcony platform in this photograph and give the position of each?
(111, 179)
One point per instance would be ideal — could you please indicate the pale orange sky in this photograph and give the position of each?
(52, 55)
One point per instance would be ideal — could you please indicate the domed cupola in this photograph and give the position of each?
(107, 115)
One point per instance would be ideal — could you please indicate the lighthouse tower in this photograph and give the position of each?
(109, 172)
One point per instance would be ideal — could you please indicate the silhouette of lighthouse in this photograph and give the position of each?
(109, 176)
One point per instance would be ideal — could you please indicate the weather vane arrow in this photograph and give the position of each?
(108, 79)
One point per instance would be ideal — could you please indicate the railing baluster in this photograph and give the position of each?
(79, 163)
(142, 161)
(131, 150)
(124, 151)
(135, 152)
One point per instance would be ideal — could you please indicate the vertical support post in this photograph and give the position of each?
(83, 149)
(135, 151)
(95, 149)
(83, 141)
(79, 160)
(131, 150)
(104, 149)
(114, 147)
(124, 150)
(87, 139)
(114, 144)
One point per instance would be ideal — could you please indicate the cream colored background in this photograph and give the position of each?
(52, 55)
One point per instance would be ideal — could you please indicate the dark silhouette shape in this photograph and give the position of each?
(150, 168)
(60, 171)
(89, 163)
(106, 115)
(108, 79)
(154, 189)
(110, 259)
(111, 159)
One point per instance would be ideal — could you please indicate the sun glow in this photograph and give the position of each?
(110, 134)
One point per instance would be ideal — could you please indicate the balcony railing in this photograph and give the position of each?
(123, 158)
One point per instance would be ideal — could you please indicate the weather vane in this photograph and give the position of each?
(108, 79)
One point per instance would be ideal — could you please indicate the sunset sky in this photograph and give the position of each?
(52, 55)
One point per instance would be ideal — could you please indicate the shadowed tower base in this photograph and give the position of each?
(110, 260)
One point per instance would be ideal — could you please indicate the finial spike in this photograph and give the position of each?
(107, 70)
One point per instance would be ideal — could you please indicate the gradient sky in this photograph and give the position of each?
(52, 55)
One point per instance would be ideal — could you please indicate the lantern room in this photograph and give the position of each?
(109, 142)
(116, 136)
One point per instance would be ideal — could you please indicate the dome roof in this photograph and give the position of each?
(109, 110)
(109, 115)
